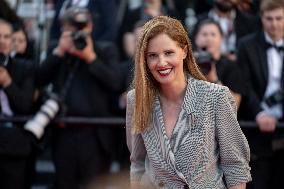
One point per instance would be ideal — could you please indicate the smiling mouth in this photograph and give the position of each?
(165, 72)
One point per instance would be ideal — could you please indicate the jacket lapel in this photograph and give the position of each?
(262, 57)
(190, 103)
(282, 74)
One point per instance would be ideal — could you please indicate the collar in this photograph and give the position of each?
(269, 40)
(216, 17)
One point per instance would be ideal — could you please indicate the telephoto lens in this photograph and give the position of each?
(47, 112)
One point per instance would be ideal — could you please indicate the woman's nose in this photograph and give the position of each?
(162, 61)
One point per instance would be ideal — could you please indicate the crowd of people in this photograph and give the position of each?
(89, 69)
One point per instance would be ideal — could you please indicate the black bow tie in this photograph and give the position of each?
(278, 48)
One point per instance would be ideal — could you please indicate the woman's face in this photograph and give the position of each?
(209, 38)
(164, 59)
(19, 42)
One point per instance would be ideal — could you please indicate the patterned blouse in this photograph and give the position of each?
(207, 148)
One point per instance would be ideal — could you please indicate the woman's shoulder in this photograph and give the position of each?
(131, 96)
(209, 88)
(214, 93)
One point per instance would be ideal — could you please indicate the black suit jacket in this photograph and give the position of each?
(20, 92)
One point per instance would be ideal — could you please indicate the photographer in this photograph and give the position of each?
(16, 98)
(82, 73)
(217, 68)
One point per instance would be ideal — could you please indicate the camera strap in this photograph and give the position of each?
(69, 79)
(66, 86)
(274, 98)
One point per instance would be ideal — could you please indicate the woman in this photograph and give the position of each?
(20, 41)
(182, 132)
(21, 47)
(209, 38)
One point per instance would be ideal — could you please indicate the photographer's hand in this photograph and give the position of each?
(5, 78)
(64, 45)
(88, 54)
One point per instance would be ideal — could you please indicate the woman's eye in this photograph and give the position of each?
(151, 56)
(169, 53)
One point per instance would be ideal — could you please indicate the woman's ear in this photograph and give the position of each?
(185, 51)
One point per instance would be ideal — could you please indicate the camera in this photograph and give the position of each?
(78, 18)
(274, 98)
(204, 60)
(3, 60)
(79, 39)
(79, 21)
(42, 118)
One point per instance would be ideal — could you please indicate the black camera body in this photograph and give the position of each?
(79, 18)
(204, 60)
(79, 21)
(79, 39)
(274, 98)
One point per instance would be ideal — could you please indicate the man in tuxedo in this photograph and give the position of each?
(260, 57)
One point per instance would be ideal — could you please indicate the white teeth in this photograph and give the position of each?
(165, 71)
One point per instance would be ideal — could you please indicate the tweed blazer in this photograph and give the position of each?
(207, 148)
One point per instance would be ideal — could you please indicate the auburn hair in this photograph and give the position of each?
(146, 87)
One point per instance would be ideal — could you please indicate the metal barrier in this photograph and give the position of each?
(252, 124)
(111, 121)
(108, 121)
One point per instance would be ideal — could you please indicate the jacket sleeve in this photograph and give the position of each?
(251, 98)
(47, 70)
(105, 68)
(20, 93)
(135, 143)
(233, 146)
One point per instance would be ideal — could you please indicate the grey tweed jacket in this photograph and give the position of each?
(207, 148)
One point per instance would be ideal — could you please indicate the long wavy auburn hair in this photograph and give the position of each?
(146, 87)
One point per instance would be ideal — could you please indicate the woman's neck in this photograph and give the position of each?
(174, 92)
(216, 55)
